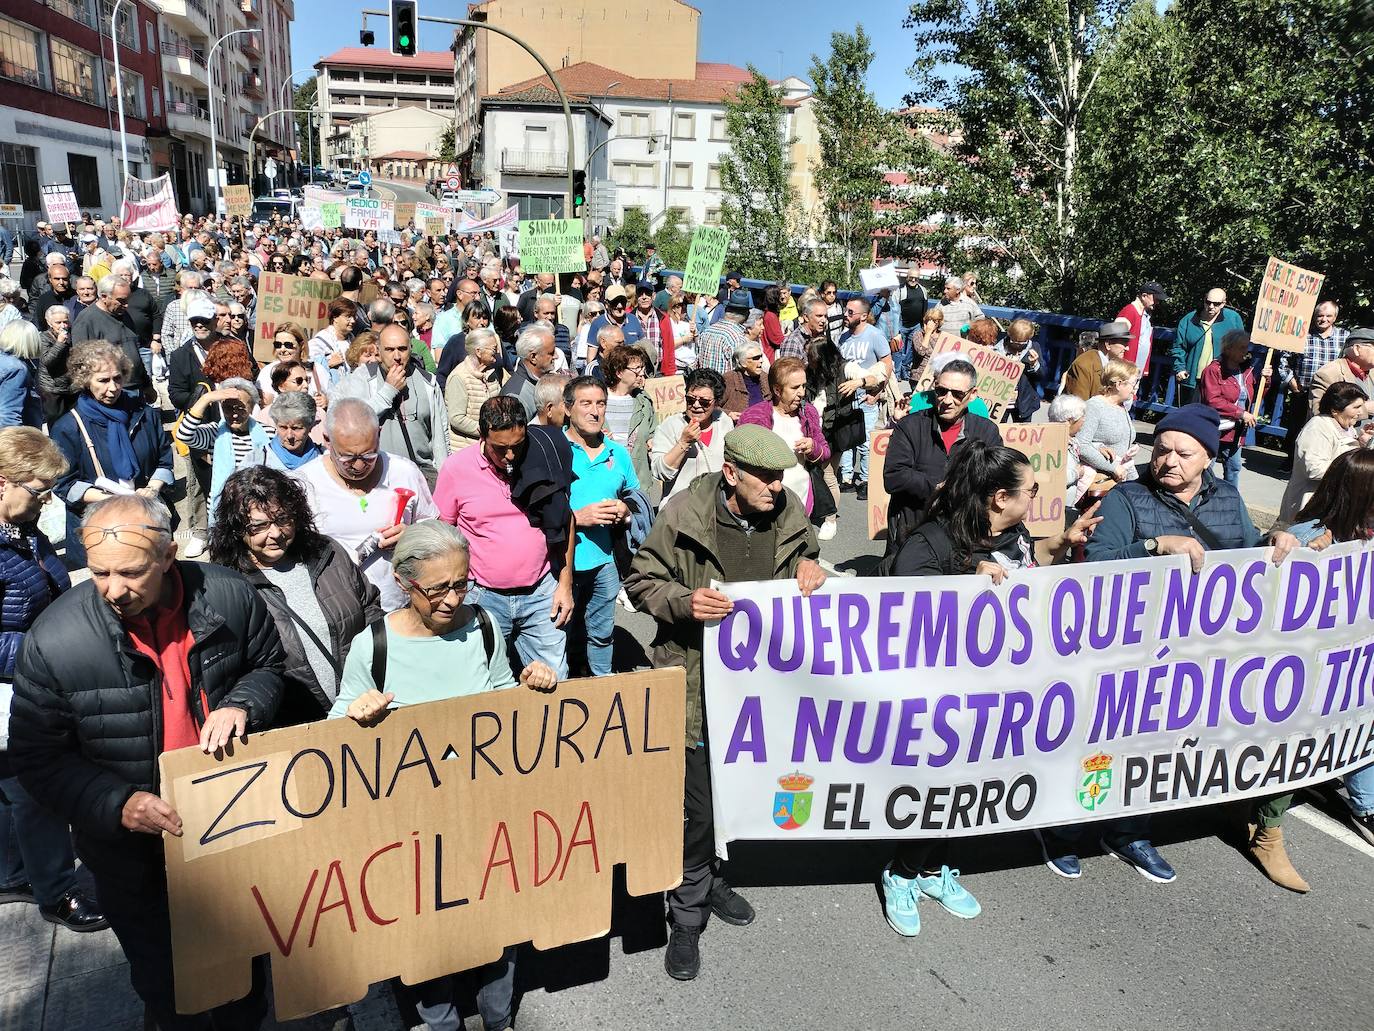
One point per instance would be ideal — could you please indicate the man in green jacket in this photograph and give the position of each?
(1197, 341)
(737, 525)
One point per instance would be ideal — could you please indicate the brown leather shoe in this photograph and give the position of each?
(1267, 850)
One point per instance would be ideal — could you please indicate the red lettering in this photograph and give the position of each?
(284, 947)
(586, 811)
(335, 874)
(558, 849)
(362, 885)
(501, 835)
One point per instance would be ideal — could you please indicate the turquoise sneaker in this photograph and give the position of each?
(945, 889)
(899, 902)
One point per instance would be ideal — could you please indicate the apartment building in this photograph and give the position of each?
(58, 120)
(357, 82)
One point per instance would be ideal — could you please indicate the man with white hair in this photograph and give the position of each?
(960, 310)
(491, 294)
(534, 352)
(600, 257)
(108, 319)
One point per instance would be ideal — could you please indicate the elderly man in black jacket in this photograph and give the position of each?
(149, 656)
(920, 447)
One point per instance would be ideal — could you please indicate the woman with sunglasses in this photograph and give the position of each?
(476, 315)
(239, 326)
(113, 443)
(318, 596)
(436, 647)
(288, 344)
(36, 860)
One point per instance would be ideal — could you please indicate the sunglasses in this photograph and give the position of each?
(958, 395)
(38, 495)
(280, 344)
(700, 402)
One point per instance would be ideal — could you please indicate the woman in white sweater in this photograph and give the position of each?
(1106, 441)
(1332, 432)
(691, 443)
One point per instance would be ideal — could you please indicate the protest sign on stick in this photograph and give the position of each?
(238, 201)
(1046, 446)
(1283, 311)
(668, 395)
(997, 374)
(149, 205)
(705, 260)
(423, 845)
(297, 299)
(551, 245)
(59, 201)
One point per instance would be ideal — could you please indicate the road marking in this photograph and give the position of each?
(383, 189)
(835, 572)
(1314, 817)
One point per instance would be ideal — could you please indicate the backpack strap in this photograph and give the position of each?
(1200, 529)
(95, 460)
(488, 632)
(378, 629)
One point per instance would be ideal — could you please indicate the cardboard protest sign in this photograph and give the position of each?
(668, 394)
(883, 277)
(366, 213)
(423, 845)
(435, 227)
(877, 492)
(60, 203)
(424, 211)
(551, 245)
(238, 201)
(311, 217)
(331, 215)
(705, 260)
(942, 707)
(297, 299)
(1283, 310)
(1046, 445)
(403, 212)
(997, 374)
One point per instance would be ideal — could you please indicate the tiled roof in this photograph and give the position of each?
(586, 81)
(717, 70)
(403, 155)
(378, 57)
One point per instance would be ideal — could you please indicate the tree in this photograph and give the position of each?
(632, 233)
(1009, 188)
(855, 133)
(755, 173)
(307, 129)
(446, 141)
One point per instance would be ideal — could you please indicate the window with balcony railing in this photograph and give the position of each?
(133, 90)
(75, 74)
(22, 56)
(77, 10)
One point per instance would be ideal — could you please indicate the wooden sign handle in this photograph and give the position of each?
(1260, 381)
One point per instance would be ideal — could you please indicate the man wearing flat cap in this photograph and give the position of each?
(1352, 367)
(736, 525)
(1137, 315)
(1084, 378)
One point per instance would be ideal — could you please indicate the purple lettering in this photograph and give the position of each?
(743, 657)
(810, 729)
(748, 733)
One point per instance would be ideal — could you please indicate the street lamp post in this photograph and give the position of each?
(214, 137)
(119, 89)
(281, 103)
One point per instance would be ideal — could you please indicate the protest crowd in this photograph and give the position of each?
(451, 483)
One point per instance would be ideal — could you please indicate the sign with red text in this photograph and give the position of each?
(423, 845)
(997, 374)
(877, 492)
(59, 201)
(1283, 311)
(149, 205)
(668, 395)
(298, 299)
(1046, 447)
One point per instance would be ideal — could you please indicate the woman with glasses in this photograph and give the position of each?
(788, 414)
(476, 315)
(631, 419)
(236, 441)
(745, 384)
(591, 311)
(692, 443)
(288, 344)
(239, 326)
(437, 647)
(36, 860)
(975, 524)
(316, 593)
(113, 443)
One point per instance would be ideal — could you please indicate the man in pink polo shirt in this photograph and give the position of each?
(509, 497)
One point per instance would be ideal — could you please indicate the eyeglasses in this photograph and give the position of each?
(136, 535)
(366, 456)
(434, 595)
(41, 496)
(283, 344)
(958, 395)
(1032, 490)
(297, 381)
(281, 522)
(635, 370)
(700, 402)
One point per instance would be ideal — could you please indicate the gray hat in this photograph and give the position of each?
(1119, 329)
(1360, 336)
(759, 448)
(739, 300)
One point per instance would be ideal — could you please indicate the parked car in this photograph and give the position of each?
(265, 207)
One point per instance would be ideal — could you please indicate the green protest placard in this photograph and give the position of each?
(552, 245)
(332, 215)
(706, 259)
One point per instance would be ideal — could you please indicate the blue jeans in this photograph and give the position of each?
(494, 994)
(593, 625)
(1229, 456)
(854, 462)
(1359, 785)
(523, 618)
(146, 354)
(35, 846)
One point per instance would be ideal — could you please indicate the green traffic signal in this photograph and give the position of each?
(405, 41)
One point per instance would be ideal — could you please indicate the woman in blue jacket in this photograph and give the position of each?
(36, 860)
(114, 444)
(20, 402)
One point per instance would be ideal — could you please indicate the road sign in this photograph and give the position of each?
(453, 183)
(270, 170)
(603, 197)
(365, 177)
(486, 196)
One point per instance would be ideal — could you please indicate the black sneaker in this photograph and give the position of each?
(17, 893)
(1364, 826)
(682, 959)
(76, 912)
(861, 490)
(730, 905)
(846, 487)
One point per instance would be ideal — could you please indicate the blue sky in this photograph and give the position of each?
(730, 31)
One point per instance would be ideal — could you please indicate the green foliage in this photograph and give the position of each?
(303, 100)
(446, 138)
(755, 179)
(632, 233)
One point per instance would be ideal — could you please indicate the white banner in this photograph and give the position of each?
(368, 213)
(943, 706)
(504, 219)
(149, 205)
(311, 216)
(318, 195)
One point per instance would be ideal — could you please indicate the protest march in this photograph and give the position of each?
(413, 581)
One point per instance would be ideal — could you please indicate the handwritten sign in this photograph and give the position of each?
(997, 374)
(60, 203)
(1283, 311)
(331, 215)
(668, 395)
(426, 211)
(705, 259)
(297, 299)
(311, 217)
(877, 492)
(149, 205)
(424, 845)
(404, 213)
(366, 213)
(11, 211)
(551, 245)
(238, 201)
(435, 227)
(1046, 446)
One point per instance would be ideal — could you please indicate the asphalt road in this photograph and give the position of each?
(389, 189)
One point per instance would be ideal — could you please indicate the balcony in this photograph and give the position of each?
(253, 87)
(251, 45)
(250, 10)
(184, 60)
(534, 162)
(187, 15)
(185, 119)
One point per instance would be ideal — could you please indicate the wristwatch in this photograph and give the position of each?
(1152, 546)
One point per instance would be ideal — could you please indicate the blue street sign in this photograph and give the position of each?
(365, 177)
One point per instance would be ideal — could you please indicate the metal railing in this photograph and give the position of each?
(185, 50)
(534, 162)
(180, 107)
(252, 85)
(77, 10)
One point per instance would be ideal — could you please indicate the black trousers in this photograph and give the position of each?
(690, 902)
(134, 898)
(1296, 412)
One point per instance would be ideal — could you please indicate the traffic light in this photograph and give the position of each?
(579, 197)
(403, 28)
